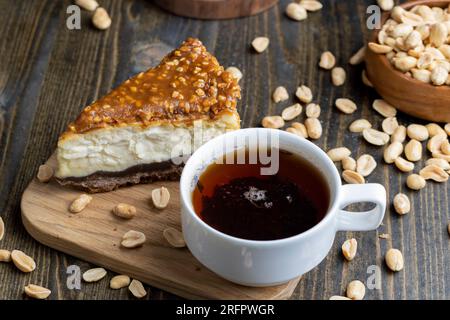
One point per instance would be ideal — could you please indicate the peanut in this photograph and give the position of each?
(356, 290)
(101, 19)
(402, 204)
(260, 44)
(160, 197)
(394, 259)
(124, 210)
(291, 112)
(174, 237)
(36, 292)
(119, 282)
(346, 105)
(415, 182)
(327, 60)
(296, 12)
(94, 275)
(349, 248)
(314, 128)
(133, 239)
(337, 154)
(80, 203)
(45, 173)
(272, 122)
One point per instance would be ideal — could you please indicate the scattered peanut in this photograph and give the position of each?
(301, 128)
(417, 132)
(311, 5)
(346, 105)
(327, 60)
(375, 137)
(348, 163)
(434, 144)
(313, 110)
(415, 182)
(160, 197)
(413, 150)
(402, 204)
(101, 19)
(291, 112)
(447, 128)
(434, 172)
(94, 275)
(314, 128)
(386, 5)
(133, 239)
(438, 162)
(89, 5)
(235, 72)
(365, 165)
(338, 76)
(280, 94)
(384, 108)
(356, 290)
(349, 248)
(36, 292)
(394, 259)
(296, 12)
(358, 56)
(404, 165)
(359, 125)
(435, 129)
(298, 132)
(354, 177)
(45, 173)
(174, 237)
(445, 147)
(440, 155)
(80, 203)
(260, 44)
(124, 210)
(272, 122)
(22, 261)
(304, 94)
(137, 289)
(392, 152)
(399, 134)
(119, 282)
(389, 125)
(5, 255)
(337, 154)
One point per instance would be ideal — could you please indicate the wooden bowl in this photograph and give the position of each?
(215, 9)
(407, 94)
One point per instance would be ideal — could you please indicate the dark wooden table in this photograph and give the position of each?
(48, 73)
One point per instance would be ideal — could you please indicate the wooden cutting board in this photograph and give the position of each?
(94, 235)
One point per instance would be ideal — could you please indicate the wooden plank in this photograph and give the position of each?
(95, 234)
(79, 66)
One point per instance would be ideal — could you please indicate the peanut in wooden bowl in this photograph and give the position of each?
(419, 99)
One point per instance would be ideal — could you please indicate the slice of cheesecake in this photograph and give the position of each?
(138, 132)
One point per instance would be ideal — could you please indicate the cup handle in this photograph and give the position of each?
(361, 221)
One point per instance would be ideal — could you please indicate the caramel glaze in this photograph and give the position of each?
(188, 84)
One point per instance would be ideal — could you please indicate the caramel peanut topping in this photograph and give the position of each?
(188, 84)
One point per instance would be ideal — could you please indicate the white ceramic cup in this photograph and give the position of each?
(266, 263)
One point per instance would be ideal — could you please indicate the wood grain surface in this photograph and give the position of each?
(48, 73)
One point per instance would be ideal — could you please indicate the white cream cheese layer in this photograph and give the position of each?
(119, 148)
